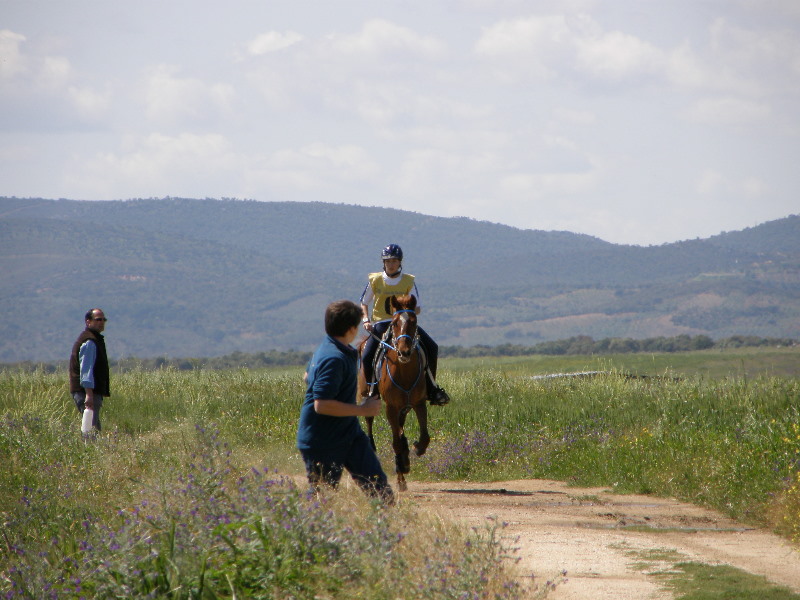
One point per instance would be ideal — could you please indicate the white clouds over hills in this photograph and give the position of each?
(635, 122)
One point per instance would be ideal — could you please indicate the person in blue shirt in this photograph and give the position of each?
(329, 434)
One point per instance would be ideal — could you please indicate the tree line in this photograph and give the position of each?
(578, 345)
(586, 345)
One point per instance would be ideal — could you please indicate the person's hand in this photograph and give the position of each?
(367, 326)
(372, 406)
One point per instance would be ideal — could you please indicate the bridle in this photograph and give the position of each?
(393, 346)
(403, 359)
(412, 340)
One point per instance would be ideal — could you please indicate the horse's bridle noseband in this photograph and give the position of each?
(393, 346)
(399, 337)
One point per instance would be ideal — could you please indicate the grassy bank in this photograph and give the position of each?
(182, 487)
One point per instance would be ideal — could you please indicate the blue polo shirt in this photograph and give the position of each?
(332, 375)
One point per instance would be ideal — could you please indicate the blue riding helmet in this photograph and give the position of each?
(392, 251)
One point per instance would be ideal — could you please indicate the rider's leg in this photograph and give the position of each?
(436, 395)
(367, 358)
(368, 355)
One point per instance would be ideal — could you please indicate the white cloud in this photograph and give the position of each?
(380, 38)
(12, 61)
(273, 41)
(752, 62)
(154, 166)
(548, 186)
(184, 100)
(31, 72)
(55, 72)
(574, 116)
(754, 187)
(685, 67)
(311, 167)
(616, 55)
(426, 173)
(88, 102)
(533, 44)
(599, 112)
(728, 111)
(46, 84)
(386, 104)
(710, 182)
(714, 183)
(557, 45)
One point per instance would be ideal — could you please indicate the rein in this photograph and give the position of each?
(408, 391)
(415, 342)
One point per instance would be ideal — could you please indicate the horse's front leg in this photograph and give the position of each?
(402, 462)
(421, 445)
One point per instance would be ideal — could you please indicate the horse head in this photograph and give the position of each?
(404, 326)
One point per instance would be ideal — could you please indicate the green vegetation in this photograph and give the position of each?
(697, 581)
(159, 507)
(770, 351)
(586, 345)
(708, 364)
(185, 473)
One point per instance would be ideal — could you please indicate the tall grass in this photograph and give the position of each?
(731, 443)
(178, 498)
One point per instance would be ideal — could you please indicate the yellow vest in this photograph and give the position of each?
(382, 291)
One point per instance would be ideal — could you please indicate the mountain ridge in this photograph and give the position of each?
(205, 277)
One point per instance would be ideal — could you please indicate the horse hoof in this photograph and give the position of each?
(402, 485)
(417, 450)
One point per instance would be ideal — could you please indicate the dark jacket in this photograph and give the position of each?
(102, 380)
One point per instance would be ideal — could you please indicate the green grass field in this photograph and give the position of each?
(712, 364)
(184, 487)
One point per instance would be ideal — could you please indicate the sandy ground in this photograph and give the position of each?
(598, 538)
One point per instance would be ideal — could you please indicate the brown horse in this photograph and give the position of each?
(402, 385)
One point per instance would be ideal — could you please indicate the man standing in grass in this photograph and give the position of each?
(329, 435)
(89, 380)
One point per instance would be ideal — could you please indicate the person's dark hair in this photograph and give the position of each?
(89, 314)
(341, 316)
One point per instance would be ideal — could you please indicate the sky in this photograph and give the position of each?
(636, 121)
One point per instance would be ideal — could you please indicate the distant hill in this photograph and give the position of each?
(180, 277)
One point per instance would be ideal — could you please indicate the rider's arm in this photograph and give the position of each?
(367, 298)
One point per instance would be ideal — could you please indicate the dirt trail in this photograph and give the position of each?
(598, 537)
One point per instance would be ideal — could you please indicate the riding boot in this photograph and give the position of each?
(436, 395)
(367, 364)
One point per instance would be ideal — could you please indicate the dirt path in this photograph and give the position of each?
(598, 538)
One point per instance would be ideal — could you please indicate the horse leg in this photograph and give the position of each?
(399, 445)
(405, 462)
(421, 445)
(369, 421)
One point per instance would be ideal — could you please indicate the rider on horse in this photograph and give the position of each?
(377, 317)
